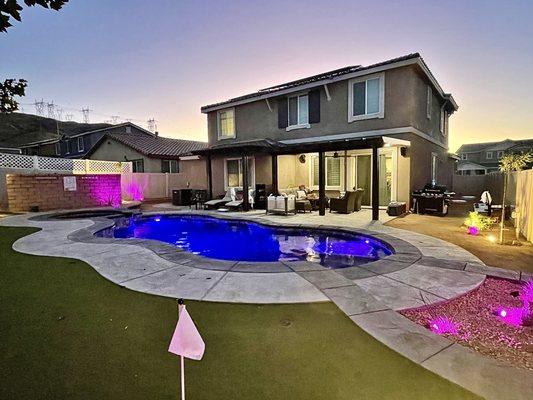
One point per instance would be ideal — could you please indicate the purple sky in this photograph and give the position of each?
(167, 59)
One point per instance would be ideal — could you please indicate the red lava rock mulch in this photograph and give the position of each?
(478, 328)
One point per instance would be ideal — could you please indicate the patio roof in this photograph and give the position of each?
(270, 146)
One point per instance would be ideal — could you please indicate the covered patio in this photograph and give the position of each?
(343, 147)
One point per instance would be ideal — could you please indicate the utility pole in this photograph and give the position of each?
(85, 113)
(59, 113)
(69, 117)
(50, 107)
(152, 127)
(39, 107)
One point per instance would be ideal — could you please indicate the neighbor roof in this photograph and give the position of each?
(156, 146)
(328, 77)
(494, 146)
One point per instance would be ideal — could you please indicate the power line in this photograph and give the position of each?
(50, 107)
(85, 112)
(152, 126)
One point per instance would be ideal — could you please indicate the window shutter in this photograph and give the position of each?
(314, 106)
(283, 114)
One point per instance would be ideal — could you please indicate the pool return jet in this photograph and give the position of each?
(186, 342)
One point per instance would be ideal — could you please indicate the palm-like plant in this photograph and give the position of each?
(510, 163)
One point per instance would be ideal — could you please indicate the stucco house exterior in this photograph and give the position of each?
(381, 127)
(482, 158)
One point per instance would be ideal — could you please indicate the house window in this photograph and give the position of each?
(442, 121)
(58, 148)
(298, 111)
(138, 165)
(128, 129)
(234, 175)
(434, 161)
(500, 154)
(464, 156)
(226, 123)
(333, 172)
(170, 166)
(429, 96)
(67, 146)
(366, 97)
(81, 146)
(489, 155)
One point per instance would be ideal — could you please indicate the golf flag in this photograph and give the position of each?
(186, 341)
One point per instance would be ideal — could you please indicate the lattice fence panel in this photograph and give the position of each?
(104, 167)
(16, 161)
(55, 164)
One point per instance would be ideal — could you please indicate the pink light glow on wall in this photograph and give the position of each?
(134, 191)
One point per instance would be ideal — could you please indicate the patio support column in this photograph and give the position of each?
(209, 177)
(245, 184)
(375, 184)
(275, 174)
(321, 183)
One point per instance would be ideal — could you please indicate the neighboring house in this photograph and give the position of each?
(149, 152)
(339, 126)
(482, 158)
(10, 150)
(80, 144)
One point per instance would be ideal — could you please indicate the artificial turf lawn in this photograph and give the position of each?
(67, 333)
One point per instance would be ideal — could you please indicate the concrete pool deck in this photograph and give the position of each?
(422, 271)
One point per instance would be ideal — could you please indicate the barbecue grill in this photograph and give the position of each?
(433, 199)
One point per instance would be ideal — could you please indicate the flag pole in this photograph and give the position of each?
(182, 359)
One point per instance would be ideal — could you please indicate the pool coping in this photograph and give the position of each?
(480, 374)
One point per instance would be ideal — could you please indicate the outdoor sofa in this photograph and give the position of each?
(281, 205)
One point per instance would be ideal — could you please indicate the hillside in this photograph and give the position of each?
(18, 129)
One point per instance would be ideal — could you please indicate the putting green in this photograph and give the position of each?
(67, 333)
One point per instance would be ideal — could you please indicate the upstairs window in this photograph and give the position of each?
(226, 123)
(67, 146)
(464, 156)
(429, 96)
(170, 166)
(443, 119)
(366, 97)
(58, 149)
(489, 155)
(81, 145)
(298, 111)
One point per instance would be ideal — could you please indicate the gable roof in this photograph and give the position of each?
(494, 146)
(154, 146)
(329, 77)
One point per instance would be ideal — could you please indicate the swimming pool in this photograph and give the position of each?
(250, 241)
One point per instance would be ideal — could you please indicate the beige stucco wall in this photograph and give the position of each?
(111, 150)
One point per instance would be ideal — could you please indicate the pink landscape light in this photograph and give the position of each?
(442, 326)
(473, 230)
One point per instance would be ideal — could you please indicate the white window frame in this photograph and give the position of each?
(429, 97)
(82, 147)
(442, 122)
(464, 156)
(58, 148)
(298, 125)
(312, 173)
(219, 130)
(252, 166)
(381, 112)
(67, 146)
(489, 155)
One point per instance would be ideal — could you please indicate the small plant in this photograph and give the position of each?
(476, 222)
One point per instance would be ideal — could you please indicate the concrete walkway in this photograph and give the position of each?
(422, 271)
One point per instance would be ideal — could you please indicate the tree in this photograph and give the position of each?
(11, 9)
(510, 163)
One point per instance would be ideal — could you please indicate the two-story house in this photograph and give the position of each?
(482, 158)
(381, 127)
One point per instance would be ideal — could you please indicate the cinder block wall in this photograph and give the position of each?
(47, 192)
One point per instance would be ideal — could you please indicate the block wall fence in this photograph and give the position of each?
(47, 192)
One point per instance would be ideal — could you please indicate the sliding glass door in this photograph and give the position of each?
(363, 173)
(385, 178)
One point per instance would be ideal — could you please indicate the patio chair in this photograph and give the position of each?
(281, 205)
(344, 205)
(237, 203)
(216, 203)
(198, 199)
(358, 199)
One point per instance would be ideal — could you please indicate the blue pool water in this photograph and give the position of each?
(248, 241)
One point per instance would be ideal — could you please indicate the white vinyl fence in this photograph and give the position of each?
(62, 165)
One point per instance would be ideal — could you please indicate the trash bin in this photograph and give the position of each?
(176, 198)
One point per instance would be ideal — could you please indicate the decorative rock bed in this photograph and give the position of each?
(482, 320)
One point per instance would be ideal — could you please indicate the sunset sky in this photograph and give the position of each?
(167, 58)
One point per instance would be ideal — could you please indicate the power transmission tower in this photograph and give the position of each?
(50, 107)
(114, 119)
(152, 127)
(85, 113)
(59, 113)
(39, 107)
(69, 117)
